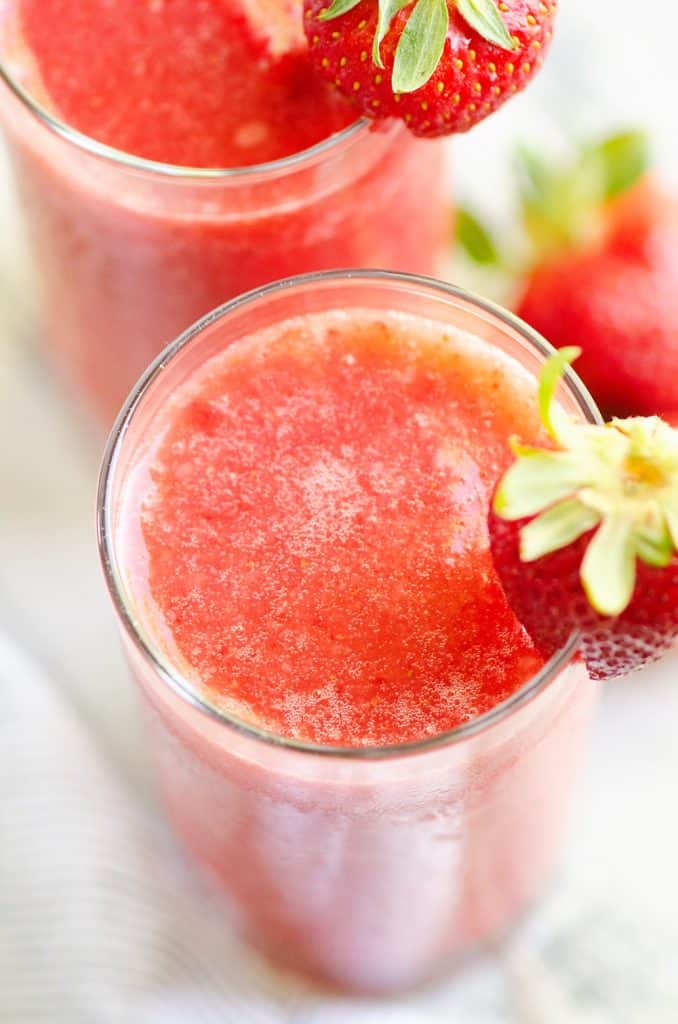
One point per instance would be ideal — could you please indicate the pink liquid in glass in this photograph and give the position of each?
(135, 241)
(339, 693)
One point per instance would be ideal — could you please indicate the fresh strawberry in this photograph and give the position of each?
(584, 536)
(606, 275)
(440, 65)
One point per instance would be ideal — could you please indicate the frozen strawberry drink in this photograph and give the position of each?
(172, 155)
(352, 731)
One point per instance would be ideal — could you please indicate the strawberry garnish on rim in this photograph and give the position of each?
(584, 535)
(440, 65)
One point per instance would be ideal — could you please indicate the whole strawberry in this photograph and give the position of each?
(606, 275)
(584, 536)
(440, 65)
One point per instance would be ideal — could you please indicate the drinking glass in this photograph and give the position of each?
(368, 869)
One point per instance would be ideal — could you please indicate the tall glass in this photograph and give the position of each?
(368, 869)
(130, 252)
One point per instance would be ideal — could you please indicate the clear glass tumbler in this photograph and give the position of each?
(367, 869)
(130, 252)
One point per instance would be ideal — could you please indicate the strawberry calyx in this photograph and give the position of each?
(563, 205)
(421, 43)
(617, 481)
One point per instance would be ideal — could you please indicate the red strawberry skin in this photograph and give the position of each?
(618, 301)
(548, 598)
(474, 77)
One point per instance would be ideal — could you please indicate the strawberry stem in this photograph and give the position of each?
(548, 386)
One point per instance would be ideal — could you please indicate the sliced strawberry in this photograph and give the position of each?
(440, 65)
(585, 536)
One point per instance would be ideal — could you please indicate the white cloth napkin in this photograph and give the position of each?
(102, 923)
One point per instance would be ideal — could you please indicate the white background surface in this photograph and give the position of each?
(611, 66)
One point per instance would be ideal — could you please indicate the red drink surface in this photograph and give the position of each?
(201, 84)
(316, 531)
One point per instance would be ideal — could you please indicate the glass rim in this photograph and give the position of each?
(168, 673)
(88, 144)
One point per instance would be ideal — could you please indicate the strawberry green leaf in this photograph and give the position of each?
(475, 239)
(562, 203)
(387, 12)
(534, 175)
(608, 571)
(655, 547)
(670, 510)
(337, 8)
(484, 17)
(420, 46)
(624, 159)
(546, 201)
(539, 479)
(549, 381)
(556, 528)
